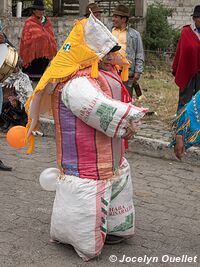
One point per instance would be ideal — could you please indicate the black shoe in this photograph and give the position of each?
(113, 239)
(4, 167)
(5, 126)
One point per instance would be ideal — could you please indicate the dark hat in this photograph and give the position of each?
(94, 7)
(196, 12)
(115, 48)
(38, 5)
(121, 10)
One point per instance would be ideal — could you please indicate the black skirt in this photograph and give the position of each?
(36, 68)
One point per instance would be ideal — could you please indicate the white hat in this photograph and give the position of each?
(98, 37)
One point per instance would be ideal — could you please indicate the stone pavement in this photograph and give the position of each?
(155, 130)
(167, 198)
(153, 139)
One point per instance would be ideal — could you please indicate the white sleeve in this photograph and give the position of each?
(98, 110)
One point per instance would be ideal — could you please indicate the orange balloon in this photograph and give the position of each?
(16, 136)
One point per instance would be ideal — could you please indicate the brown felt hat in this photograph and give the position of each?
(94, 7)
(121, 10)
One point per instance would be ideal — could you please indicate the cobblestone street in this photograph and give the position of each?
(167, 200)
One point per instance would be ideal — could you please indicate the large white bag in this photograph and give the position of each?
(97, 109)
(79, 214)
(83, 212)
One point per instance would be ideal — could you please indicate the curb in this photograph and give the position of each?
(141, 145)
(160, 149)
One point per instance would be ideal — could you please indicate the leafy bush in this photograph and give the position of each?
(160, 35)
(49, 4)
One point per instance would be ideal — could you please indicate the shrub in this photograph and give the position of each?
(159, 34)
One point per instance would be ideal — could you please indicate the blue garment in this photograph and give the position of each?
(1, 99)
(187, 123)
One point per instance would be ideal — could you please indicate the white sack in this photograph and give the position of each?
(81, 207)
(79, 214)
(97, 109)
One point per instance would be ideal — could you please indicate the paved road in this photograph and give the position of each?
(167, 198)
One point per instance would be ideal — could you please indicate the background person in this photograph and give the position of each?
(16, 90)
(186, 127)
(130, 41)
(96, 10)
(37, 45)
(3, 167)
(4, 39)
(186, 63)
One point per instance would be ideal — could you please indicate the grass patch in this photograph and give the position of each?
(161, 95)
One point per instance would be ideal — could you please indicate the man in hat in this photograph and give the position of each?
(131, 43)
(37, 45)
(96, 10)
(186, 63)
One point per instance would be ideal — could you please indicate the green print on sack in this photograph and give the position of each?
(106, 114)
(104, 204)
(118, 187)
(125, 225)
(103, 229)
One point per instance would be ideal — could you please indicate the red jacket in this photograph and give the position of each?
(187, 58)
(37, 41)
